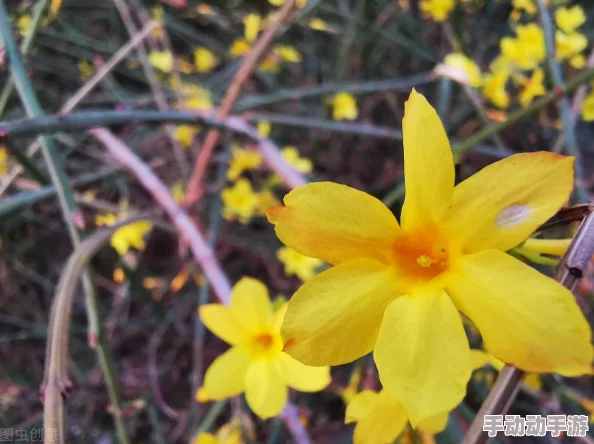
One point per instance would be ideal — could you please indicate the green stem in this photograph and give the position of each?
(68, 208)
(580, 192)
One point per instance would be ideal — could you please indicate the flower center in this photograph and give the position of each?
(265, 343)
(421, 256)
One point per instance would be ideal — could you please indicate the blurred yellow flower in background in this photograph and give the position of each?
(127, 237)
(251, 23)
(3, 161)
(318, 24)
(527, 49)
(467, 66)
(264, 128)
(381, 419)
(240, 201)
(185, 134)
(255, 364)
(242, 160)
(23, 23)
(587, 111)
(228, 434)
(204, 60)
(397, 289)
(162, 60)
(494, 88)
(239, 47)
(569, 19)
(569, 45)
(527, 6)
(299, 3)
(438, 10)
(532, 87)
(287, 53)
(296, 264)
(86, 70)
(344, 107)
(301, 164)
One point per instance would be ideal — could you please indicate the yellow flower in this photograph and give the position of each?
(304, 267)
(204, 60)
(86, 70)
(494, 88)
(578, 61)
(569, 19)
(287, 53)
(264, 128)
(271, 63)
(525, 5)
(239, 47)
(381, 419)
(470, 69)
(185, 134)
(129, 236)
(318, 24)
(196, 97)
(240, 201)
(570, 44)
(228, 434)
(23, 24)
(344, 107)
(301, 164)
(438, 10)
(178, 192)
(532, 88)
(300, 3)
(162, 60)
(256, 363)
(204, 9)
(587, 111)
(396, 289)
(3, 161)
(251, 24)
(242, 160)
(527, 50)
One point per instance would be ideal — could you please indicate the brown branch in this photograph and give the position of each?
(568, 273)
(194, 188)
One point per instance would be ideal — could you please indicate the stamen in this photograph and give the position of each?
(425, 261)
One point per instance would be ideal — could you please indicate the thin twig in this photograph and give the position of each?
(571, 268)
(194, 188)
(203, 253)
(580, 192)
(68, 208)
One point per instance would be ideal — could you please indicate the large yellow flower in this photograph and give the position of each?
(396, 289)
(255, 364)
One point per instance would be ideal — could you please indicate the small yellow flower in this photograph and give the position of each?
(240, 201)
(287, 53)
(239, 47)
(271, 63)
(251, 24)
(438, 10)
(570, 19)
(242, 160)
(204, 9)
(344, 107)
(527, 50)
(318, 24)
(256, 363)
(471, 71)
(86, 70)
(162, 60)
(527, 6)
(204, 60)
(301, 164)
(196, 97)
(532, 88)
(185, 134)
(300, 3)
(178, 192)
(381, 419)
(129, 236)
(228, 434)
(23, 23)
(397, 289)
(3, 161)
(494, 88)
(569, 45)
(264, 128)
(304, 267)
(118, 275)
(587, 111)
(578, 61)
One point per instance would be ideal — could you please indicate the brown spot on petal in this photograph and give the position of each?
(273, 213)
(288, 343)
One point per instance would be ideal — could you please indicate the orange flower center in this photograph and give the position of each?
(266, 343)
(422, 256)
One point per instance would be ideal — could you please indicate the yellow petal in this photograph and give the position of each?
(250, 304)
(221, 320)
(335, 223)
(422, 354)
(226, 375)
(526, 319)
(505, 202)
(428, 164)
(479, 359)
(265, 390)
(434, 424)
(302, 377)
(205, 438)
(361, 406)
(384, 424)
(334, 317)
